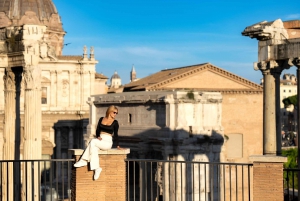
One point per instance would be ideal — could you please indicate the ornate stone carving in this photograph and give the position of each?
(65, 88)
(30, 18)
(43, 50)
(267, 30)
(9, 80)
(28, 78)
(32, 78)
(92, 50)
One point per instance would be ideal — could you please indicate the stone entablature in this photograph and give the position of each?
(277, 41)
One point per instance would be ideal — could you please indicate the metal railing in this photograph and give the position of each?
(147, 180)
(162, 180)
(290, 184)
(47, 180)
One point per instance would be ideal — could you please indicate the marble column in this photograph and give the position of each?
(32, 130)
(32, 138)
(32, 113)
(271, 71)
(58, 149)
(10, 115)
(8, 134)
(58, 143)
(269, 113)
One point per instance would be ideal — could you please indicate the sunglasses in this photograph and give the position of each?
(115, 112)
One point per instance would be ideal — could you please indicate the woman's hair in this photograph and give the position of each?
(110, 109)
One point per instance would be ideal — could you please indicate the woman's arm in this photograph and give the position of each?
(116, 135)
(98, 130)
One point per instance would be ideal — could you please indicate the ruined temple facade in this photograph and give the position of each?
(278, 49)
(167, 125)
(43, 93)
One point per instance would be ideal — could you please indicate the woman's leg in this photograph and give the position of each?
(91, 152)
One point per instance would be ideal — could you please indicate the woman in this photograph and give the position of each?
(107, 126)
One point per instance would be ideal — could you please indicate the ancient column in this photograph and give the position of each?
(10, 115)
(32, 130)
(58, 154)
(58, 143)
(8, 134)
(32, 113)
(271, 71)
(269, 113)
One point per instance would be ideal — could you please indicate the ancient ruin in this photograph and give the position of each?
(278, 49)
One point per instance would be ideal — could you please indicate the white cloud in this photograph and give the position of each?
(293, 16)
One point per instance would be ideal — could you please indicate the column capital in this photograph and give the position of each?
(273, 66)
(32, 78)
(9, 80)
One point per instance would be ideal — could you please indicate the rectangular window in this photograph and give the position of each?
(44, 95)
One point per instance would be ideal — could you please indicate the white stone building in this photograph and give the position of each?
(288, 87)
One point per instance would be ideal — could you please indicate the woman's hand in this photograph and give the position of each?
(118, 147)
(99, 138)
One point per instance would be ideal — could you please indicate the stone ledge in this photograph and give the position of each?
(268, 159)
(113, 151)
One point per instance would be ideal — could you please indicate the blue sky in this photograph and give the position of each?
(162, 34)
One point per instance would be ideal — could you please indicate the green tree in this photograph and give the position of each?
(291, 163)
(291, 100)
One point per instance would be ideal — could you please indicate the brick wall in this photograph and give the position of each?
(267, 181)
(111, 185)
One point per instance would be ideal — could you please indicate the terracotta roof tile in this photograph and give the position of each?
(160, 76)
(157, 80)
(100, 76)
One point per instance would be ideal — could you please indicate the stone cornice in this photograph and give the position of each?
(222, 91)
(208, 66)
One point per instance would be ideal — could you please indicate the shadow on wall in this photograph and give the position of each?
(69, 134)
(189, 166)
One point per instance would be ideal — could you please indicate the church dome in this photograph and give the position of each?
(115, 76)
(37, 12)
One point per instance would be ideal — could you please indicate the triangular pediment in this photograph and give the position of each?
(207, 77)
(206, 80)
